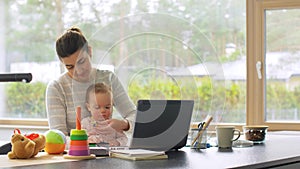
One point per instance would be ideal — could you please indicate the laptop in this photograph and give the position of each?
(162, 125)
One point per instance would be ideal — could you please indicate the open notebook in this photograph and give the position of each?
(161, 125)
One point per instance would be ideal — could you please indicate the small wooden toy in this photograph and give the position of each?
(79, 147)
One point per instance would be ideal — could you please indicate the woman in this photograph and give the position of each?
(67, 92)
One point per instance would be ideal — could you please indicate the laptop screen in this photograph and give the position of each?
(162, 124)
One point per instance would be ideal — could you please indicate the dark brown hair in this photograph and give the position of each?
(97, 88)
(70, 42)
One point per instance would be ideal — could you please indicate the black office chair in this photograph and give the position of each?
(16, 77)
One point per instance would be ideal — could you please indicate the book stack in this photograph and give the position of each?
(99, 149)
(138, 154)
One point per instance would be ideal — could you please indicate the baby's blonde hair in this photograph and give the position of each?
(97, 88)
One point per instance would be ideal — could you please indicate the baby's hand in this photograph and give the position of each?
(92, 132)
(94, 139)
(114, 143)
(118, 125)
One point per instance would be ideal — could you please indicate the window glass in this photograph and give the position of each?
(282, 65)
(159, 49)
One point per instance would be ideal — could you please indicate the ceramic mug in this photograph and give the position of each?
(225, 136)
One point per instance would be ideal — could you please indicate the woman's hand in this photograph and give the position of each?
(118, 125)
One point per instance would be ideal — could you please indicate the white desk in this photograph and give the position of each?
(279, 151)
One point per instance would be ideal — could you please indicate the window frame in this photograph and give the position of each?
(255, 52)
(24, 123)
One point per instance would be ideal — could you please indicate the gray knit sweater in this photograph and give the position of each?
(65, 94)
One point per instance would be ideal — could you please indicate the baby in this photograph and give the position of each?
(100, 104)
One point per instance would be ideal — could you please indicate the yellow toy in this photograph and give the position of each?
(26, 146)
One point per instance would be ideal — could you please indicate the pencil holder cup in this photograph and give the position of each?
(200, 142)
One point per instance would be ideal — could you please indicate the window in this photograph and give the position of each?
(273, 39)
(27, 35)
(163, 49)
(193, 51)
(159, 49)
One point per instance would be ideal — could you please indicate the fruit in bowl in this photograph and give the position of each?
(255, 133)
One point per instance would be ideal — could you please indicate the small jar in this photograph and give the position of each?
(257, 134)
(201, 142)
